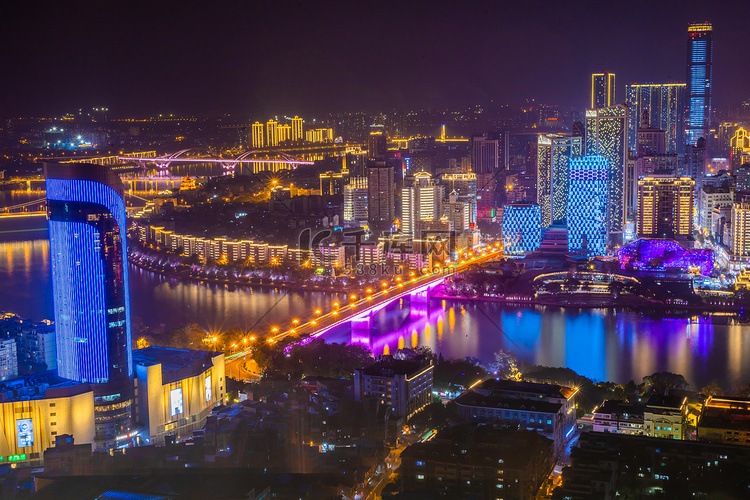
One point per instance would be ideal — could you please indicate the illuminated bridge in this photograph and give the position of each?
(229, 164)
(34, 208)
(359, 311)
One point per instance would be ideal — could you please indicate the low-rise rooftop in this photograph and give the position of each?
(531, 388)
(176, 364)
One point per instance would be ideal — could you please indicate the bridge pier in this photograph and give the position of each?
(362, 330)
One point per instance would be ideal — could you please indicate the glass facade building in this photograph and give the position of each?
(607, 136)
(553, 153)
(587, 205)
(87, 231)
(665, 105)
(699, 77)
(522, 228)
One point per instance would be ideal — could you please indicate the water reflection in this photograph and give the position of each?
(600, 344)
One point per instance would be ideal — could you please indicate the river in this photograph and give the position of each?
(602, 344)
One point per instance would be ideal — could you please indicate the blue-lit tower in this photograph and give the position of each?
(699, 76)
(587, 205)
(87, 226)
(522, 228)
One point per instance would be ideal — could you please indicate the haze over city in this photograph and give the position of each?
(273, 58)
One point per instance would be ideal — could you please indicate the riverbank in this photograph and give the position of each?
(245, 282)
(593, 301)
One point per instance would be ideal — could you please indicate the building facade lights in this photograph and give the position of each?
(587, 205)
(522, 228)
(87, 229)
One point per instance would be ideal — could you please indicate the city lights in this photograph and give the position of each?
(392, 279)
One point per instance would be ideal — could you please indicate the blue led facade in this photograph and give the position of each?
(522, 228)
(587, 205)
(80, 312)
(88, 254)
(699, 76)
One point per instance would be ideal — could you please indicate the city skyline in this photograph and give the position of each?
(374, 251)
(196, 59)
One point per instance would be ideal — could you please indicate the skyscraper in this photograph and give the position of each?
(602, 90)
(485, 163)
(381, 188)
(587, 205)
(283, 132)
(740, 146)
(87, 232)
(355, 202)
(739, 242)
(258, 135)
(297, 134)
(553, 153)
(465, 187)
(607, 135)
(665, 207)
(665, 105)
(699, 78)
(522, 229)
(272, 134)
(421, 199)
(377, 143)
(485, 155)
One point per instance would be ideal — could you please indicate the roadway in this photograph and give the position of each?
(359, 307)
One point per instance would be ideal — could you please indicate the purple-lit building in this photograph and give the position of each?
(661, 255)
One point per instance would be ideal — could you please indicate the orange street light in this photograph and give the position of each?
(295, 321)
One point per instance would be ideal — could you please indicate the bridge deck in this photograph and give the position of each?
(369, 305)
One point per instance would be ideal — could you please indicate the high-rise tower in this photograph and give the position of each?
(381, 189)
(699, 76)
(665, 207)
(602, 90)
(258, 135)
(421, 199)
(87, 232)
(587, 201)
(297, 129)
(272, 133)
(665, 105)
(607, 135)
(553, 153)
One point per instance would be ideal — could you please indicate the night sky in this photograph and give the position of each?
(262, 58)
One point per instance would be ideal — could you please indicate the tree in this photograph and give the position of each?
(712, 389)
(505, 364)
(743, 391)
(457, 372)
(660, 382)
